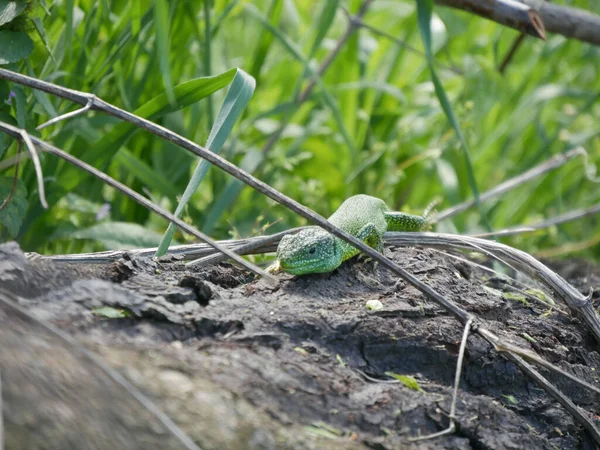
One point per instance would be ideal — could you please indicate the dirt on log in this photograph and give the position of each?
(237, 364)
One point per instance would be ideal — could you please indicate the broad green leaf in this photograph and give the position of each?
(14, 46)
(161, 23)
(186, 94)
(237, 98)
(120, 235)
(11, 216)
(9, 9)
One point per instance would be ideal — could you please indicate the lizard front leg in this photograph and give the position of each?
(370, 236)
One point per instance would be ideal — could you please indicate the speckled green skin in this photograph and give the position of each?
(314, 250)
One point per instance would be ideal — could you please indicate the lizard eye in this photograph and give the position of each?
(312, 250)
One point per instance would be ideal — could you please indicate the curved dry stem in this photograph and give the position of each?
(483, 268)
(68, 115)
(524, 262)
(36, 164)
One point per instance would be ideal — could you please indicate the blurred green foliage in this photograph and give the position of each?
(373, 123)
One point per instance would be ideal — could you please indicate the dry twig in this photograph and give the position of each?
(550, 164)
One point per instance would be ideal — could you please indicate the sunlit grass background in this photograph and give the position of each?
(372, 124)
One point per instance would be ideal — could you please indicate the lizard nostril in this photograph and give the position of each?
(312, 250)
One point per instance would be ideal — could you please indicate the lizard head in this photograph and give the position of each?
(312, 250)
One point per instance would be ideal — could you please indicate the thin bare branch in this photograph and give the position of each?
(15, 132)
(553, 163)
(244, 249)
(510, 348)
(573, 23)
(510, 13)
(68, 115)
(511, 52)
(483, 268)
(563, 218)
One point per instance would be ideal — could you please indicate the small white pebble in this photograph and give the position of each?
(374, 305)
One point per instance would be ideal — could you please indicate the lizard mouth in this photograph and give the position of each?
(303, 268)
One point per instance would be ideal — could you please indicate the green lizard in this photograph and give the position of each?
(314, 250)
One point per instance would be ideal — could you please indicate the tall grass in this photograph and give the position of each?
(373, 123)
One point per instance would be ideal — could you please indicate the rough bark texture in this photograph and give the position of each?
(570, 22)
(239, 365)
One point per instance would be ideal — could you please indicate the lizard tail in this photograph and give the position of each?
(399, 221)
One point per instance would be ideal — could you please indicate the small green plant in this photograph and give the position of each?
(406, 380)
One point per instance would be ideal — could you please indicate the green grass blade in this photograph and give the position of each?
(70, 6)
(146, 174)
(136, 17)
(266, 39)
(326, 16)
(237, 98)
(424, 13)
(161, 23)
(208, 54)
